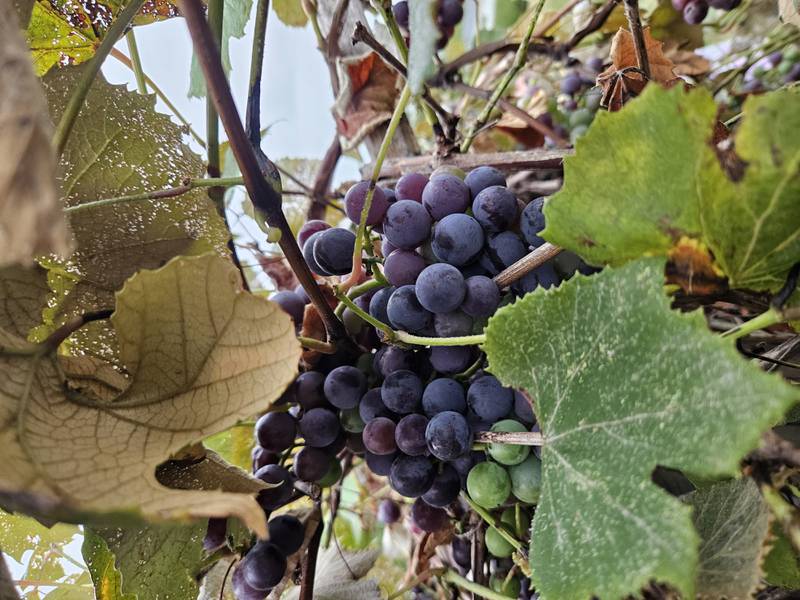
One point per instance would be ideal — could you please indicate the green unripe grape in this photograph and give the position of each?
(792, 54)
(582, 116)
(488, 484)
(509, 454)
(592, 99)
(449, 170)
(578, 132)
(333, 474)
(526, 479)
(785, 66)
(517, 520)
(351, 420)
(496, 544)
(510, 588)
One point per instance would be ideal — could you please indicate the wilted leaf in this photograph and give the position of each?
(424, 36)
(626, 193)
(367, 96)
(733, 522)
(752, 222)
(216, 584)
(23, 295)
(67, 33)
(119, 146)
(789, 12)
(692, 268)
(600, 515)
(202, 355)
(686, 62)
(290, 12)
(31, 220)
(235, 15)
(339, 576)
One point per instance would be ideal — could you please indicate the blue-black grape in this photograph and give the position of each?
(440, 288)
(344, 386)
(309, 390)
(319, 427)
(379, 302)
(380, 464)
(695, 11)
(264, 566)
(481, 178)
(311, 464)
(452, 324)
(275, 431)
(287, 533)
(451, 359)
(482, 296)
(290, 303)
(400, 12)
(354, 201)
(546, 276)
(523, 408)
(402, 267)
(308, 253)
(411, 476)
(393, 358)
(442, 395)
(571, 83)
(504, 249)
(401, 392)
(426, 517)
(274, 497)
(488, 399)
(407, 224)
(405, 311)
(445, 487)
(410, 435)
(445, 195)
(371, 406)
(241, 589)
(388, 512)
(309, 228)
(333, 251)
(261, 457)
(457, 239)
(410, 186)
(448, 435)
(461, 547)
(378, 436)
(450, 13)
(495, 208)
(532, 222)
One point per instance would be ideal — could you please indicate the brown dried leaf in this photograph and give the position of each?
(691, 267)
(313, 327)
(366, 99)
(31, 220)
(686, 62)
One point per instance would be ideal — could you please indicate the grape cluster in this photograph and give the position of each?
(773, 70)
(448, 15)
(695, 11)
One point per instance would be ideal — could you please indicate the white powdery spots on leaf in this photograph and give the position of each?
(623, 384)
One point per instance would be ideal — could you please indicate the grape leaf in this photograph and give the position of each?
(623, 384)
(630, 188)
(100, 561)
(235, 15)
(202, 355)
(752, 224)
(340, 576)
(119, 146)
(424, 35)
(234, 445)
(67, 33)
(31, 220)
(19, 534)
(290, 12)
(782, 564)
(733, 523)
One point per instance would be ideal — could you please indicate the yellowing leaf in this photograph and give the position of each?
(202, 355)
(290, 12)
(31, 220)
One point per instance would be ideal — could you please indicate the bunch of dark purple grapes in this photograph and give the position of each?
(448, 15)
(695, 11)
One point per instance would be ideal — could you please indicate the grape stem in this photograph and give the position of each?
(519, 61)
(217, 194)
(471, 586)
(464, 340)
(397, 116)
(526, 264)
(635, 23)
(318, 345)
(771, 317)
(424, 576)
(253, 109)
(357, 291)
(136, 61)
(516, 438)
(501, 527)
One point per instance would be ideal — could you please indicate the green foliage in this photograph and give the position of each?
(424, 37)
(781, 564)
(100, 561)
(621, 385)
(660, 181)
(290, 12)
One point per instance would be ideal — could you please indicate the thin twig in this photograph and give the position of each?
(519, 61)
(55, 339)
(310, 566)
(322, 181)
(553, 21)
(253, 110)
(635, 24)
(75, 103)
(526, 264)
(262, 194)
(136, 60)
(216, 10)
(516, 438)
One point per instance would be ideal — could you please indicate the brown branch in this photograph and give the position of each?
(635, 24)
(322, 182)
(521, 438)
(596, 22)
(262, 194)
(310, 565)
(526, 264)
(538, 159)
(55, 339)
(331, 50)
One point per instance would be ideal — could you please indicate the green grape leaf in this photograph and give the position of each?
(233, 445)
(630, 188)
(422, 47)
(202, 355)
(732, 521)
(31, 217)
(622, 384)
(782, 564)
(119, 146)
(752, 222)
(62, 33)
(235, 15)
(146, 563)
(290, 12)
(19, 534)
